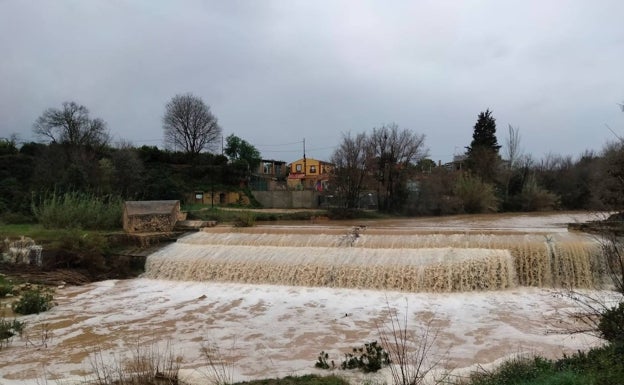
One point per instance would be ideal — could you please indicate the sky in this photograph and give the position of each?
(277, 72)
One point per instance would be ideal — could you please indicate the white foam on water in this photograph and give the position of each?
(268, 330)
(273, 331)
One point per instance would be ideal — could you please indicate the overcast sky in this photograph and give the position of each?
(275, 72)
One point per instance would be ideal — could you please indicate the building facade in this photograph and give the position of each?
(309, 174)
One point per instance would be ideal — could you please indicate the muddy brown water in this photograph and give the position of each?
(272, 329)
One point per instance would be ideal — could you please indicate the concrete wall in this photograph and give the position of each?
(221, 198)
(287, 199)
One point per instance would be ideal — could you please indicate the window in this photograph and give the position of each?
(298, 167)
(312, 169)
(267, 168)
(278, 169)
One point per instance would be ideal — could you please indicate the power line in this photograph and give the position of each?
(276, 145)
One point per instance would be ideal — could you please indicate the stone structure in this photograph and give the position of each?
(151, 216)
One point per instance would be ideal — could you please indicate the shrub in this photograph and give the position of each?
(76, 249)
(322, 363)
(476, 196)
(8, 329)
(5, 287)
(604, 364)
(15, 218)
(521, 370)
(611, 324)
(369, 358)
(245, 219)
(33, 301)
(535, 198)
(79, 210)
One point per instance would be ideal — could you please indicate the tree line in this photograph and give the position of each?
(392, 164)
(387, 167)
(75, 154)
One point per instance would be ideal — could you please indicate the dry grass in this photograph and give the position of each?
(148, 364)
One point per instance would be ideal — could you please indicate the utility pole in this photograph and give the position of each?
(304, 164)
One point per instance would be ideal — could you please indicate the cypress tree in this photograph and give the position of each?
(484, 134)
(482, 155)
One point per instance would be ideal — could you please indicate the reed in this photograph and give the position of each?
(78, 210)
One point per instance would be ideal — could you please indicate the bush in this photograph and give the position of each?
(245, 219)
(80, 250)
(8, 329)
(369, 358)
(520, 370)
(6, 287)
(308, 379)
(15, 218)
(33, 301)
(611, 324)
(535, 198)
(321, 361)
(476, 196)
(79, 210)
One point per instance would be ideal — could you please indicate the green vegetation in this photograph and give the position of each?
(369, 358)
(387, 166)
(75, 210)
(611, 324)
(54, 237)
(245, 218)
(475, 195)
(482, 156)
(603, 366)
(299, 380)
(33, 301)
(6, 287)
(8, 329)
(322, 363)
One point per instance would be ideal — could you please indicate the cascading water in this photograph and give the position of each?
(377, 259)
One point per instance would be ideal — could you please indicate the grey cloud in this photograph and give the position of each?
(275, 72)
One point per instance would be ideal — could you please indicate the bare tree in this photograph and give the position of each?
(350, 168)
(512, 146)
(412, 352)
(71, 125)
(394, 152)
(513, 153)
(189, 125)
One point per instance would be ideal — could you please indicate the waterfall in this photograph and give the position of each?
(379, 259)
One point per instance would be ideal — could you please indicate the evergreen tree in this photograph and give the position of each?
(482, 155)
(484, 134)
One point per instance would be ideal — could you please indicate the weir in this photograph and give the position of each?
(380, 259)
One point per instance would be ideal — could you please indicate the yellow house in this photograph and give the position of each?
(309, 174)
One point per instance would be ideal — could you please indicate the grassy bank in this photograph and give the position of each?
(92, 255)
(299, 380)
(42, 234)
(604, 366)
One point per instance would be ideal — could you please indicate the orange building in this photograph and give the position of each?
(309, 174)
